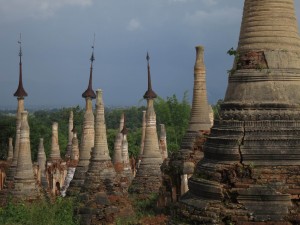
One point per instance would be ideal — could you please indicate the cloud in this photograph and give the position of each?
(20, 9)
(133, 25)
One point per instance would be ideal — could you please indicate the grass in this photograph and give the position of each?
(41, 212)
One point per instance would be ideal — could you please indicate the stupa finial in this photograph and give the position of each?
(89, 92)
(149, 94)
(20, 92)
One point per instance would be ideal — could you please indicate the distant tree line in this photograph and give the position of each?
(172, 112)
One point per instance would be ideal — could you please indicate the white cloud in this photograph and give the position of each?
(133, 25)
(19, 9)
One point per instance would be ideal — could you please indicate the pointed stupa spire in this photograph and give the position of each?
(149, 93)
(148, 177)
(20, 92)
(10, 152)
(89, 92)
(87, 139)
(24, 184)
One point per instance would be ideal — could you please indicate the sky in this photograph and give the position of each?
(57, 36)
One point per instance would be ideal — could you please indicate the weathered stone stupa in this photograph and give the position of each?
(72, 163)
(70, 136)
(42, 163)
(55, 151)
(75, 147)
(199, 120)
(20, 94)
(87, 137)
(117, 158)
(142, 138)
(163, 142)
(25, 187)
(180, 165)
(10, 152)
(250, 172)
(100, 179)
(148, 177)
(125, 154)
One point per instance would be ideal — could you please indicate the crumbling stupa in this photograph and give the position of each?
(180, 165)
(250, 172)
(100, 180)
(70, 136)
(87, 137)
(25, 187)
(20, 94)
(42, 163)
(10, 151)
(117, 157)
(55, 151)
(148, 176)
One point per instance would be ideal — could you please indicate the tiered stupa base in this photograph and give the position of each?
(101, 197)
(250, 173)
(25, 190)
(148, 179)
(77, 181)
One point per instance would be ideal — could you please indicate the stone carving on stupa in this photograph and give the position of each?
(180, 165)
(87, 136)
(20, 94)
(251, 167)
(25, 187)
(148, 177)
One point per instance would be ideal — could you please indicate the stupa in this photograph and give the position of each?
(42, 163)
(25, 187)
(10, 151)
(20, 94)
(87, 137)
(70, 136)
(117, 157)
(180, 165)
(251, 167)
(163, 142)
(100, 181)
(148, 176)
